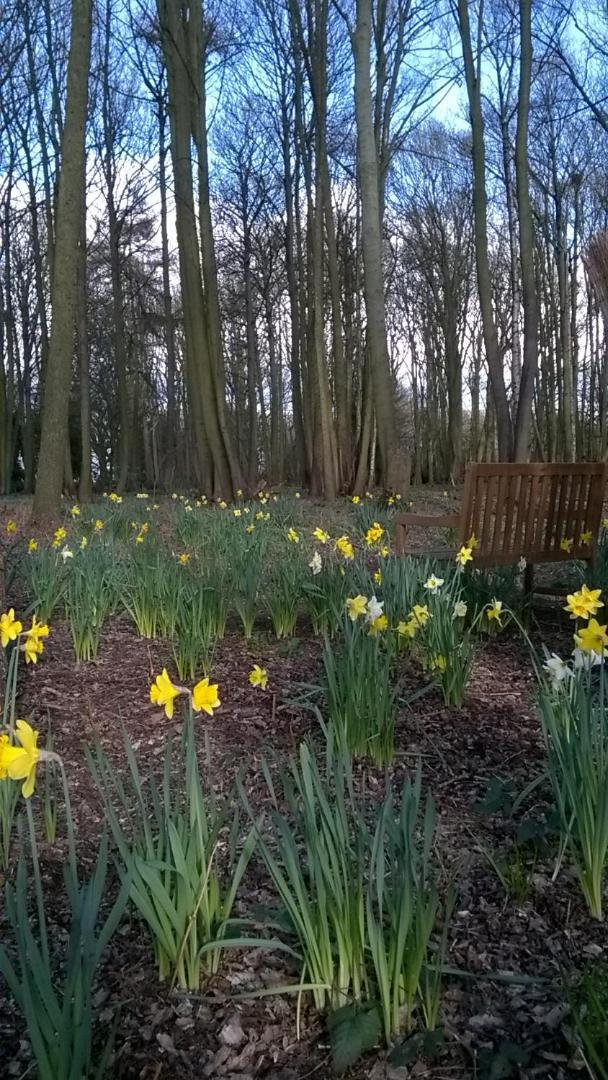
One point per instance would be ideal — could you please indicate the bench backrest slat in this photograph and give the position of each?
(529, 509)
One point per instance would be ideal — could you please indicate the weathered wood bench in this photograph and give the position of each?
(542, 513)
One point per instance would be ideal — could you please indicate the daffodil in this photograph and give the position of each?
(205, 697)
(293, 536)
(464, 556)
(259, 516)
(237, 512)
(142, 495)
(460, 610)
(566, 545)
(421, 614)
(374, 534)
(377, 577)
(438, 663)
(163, 692)
(557, 670)
(239, 493)
(586, 537)
(11, 527)
(297, 495)
(10, 627)
(378, 625)
(592, 638)
(98, 525)
(472, 542)
(356, 500)
(320, 535)
(356, 606)
(407, 628)
(494, 611)
(250, 529)
(32, 645)
(222, 504)
(316, 563)
(19, 762)
(391, 501)
(384, 552)
(32, 546)
(374, 609)
(83, 543)
(66, 553)
(258, 676)
(75, 511)
(584, 603)
(4, 743)
(59, 535)
(184, 558)
(433, 584)
(344, 546)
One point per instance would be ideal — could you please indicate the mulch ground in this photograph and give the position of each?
(511, 954)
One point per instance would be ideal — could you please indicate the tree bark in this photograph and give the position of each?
(55, 410)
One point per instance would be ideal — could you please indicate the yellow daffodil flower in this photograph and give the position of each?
(32, 546)
(11, 527)
(10, 627)
(420, 614)
(356, 606)
(19, 762)
(32, 646)
(258, 676)
(384, 552)
(59, 535)
(293, 536)
(378, 577)
(222, 504)
(205, 697)
(592, 638)
(184, 558)
(586, 537)
(374, 534)
(355, 500)
(75, 511)
(250, 529)
(297, 495)
(566, 545)
(472, 542)
(344, 546)
(321, 535)
(494, 611)
(407, 629)
(584, 603)
(464, 556)
(163, 692)
(239, 493)
(439, 663)
(378, 625)
(83, 543)
(98, 525)
(237, 512)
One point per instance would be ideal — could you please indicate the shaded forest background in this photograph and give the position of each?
(334, 244)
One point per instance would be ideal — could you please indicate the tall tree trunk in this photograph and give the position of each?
(55, 410)
(392, 462)
(480, 215)
(526, 240)
(84, 486)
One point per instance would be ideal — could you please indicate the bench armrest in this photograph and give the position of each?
(438, 521)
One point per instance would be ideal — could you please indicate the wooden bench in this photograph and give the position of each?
(528, 511)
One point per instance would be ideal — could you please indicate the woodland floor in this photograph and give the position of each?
(512, 954)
